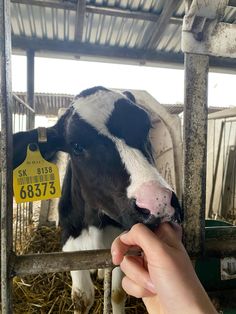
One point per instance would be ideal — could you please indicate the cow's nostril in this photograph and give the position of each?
(144, 211)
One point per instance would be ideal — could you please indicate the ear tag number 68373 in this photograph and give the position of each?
(36, 178)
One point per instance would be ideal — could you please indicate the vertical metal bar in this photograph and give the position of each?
(30, 87)
(30, 119)
(195, 147)
(107, 291)
(6, 156)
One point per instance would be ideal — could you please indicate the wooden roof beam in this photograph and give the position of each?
(79, 20)
(163, 20)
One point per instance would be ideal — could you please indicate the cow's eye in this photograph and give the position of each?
(77, 149)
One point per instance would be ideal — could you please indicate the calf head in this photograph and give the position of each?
(107, 137)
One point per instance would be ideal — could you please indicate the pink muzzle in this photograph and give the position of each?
(156, 199)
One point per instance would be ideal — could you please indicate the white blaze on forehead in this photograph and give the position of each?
(97, 108)
(139, 168)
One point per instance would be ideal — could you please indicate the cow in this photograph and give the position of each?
(111, 182)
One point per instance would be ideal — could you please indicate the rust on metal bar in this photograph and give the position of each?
(195, 146)
(107, 291)
(61, 261)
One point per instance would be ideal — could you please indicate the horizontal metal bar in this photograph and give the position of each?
(60, 261)
(222, 114)
(220, 233)
(119, 55)
(220, 241)
(23, 103)
(232, 3)
(219, 41)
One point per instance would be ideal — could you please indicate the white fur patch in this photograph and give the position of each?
(138, 167)
(96, 110)
(92, 239)
(82, 286)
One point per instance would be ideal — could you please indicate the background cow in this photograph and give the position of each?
(111, 182)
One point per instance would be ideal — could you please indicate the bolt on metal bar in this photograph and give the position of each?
(6, 156)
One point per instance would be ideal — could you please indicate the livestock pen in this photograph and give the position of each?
(161, 26)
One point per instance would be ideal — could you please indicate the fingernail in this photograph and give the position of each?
(151, 287)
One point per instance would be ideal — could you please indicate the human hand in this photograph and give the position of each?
(163, 276)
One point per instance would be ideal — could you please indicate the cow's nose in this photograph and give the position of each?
(141, 210)
(152, 197)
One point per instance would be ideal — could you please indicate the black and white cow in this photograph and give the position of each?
(111, 182)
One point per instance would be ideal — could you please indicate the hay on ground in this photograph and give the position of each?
(51, 293)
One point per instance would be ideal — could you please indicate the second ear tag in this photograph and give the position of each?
(36, 178)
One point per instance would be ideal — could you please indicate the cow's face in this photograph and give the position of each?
(107, 137)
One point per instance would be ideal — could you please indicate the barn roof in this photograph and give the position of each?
(126, 31)
(49, 104)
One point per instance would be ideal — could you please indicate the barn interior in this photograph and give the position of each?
(199, 36)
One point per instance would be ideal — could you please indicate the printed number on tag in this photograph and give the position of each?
(36, 178)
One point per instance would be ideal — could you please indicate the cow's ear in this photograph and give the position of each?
(55, 142)
(130, 96)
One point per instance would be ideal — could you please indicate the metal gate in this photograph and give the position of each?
(23, 212)
(195, 130)
(221, 177)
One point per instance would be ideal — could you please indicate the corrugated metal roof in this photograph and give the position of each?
(138, 30)
(49, 104)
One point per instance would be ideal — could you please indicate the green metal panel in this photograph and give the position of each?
(209, 269)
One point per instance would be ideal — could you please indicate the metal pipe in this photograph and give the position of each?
(22, 102)
(195, 146)
(107, 291)
(30, 88)
(6, 156)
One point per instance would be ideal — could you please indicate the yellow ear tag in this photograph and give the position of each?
(36, 178)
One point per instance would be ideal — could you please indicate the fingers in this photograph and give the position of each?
(134, 269)
(170, 234)
(135, 290)
(118, 250)
(141, 236)
(178, 229)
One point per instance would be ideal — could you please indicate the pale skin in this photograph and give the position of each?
(163, 276)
